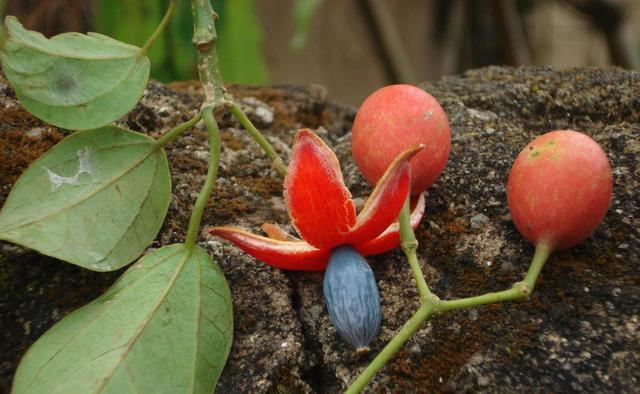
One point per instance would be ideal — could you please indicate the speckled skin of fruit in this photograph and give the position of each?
(393, 119)
(559, 189)
(352, 297)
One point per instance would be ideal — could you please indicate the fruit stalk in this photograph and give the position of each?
(541, 255)
(409, 245)
(431, 305)
(406, 332)
(520, 290)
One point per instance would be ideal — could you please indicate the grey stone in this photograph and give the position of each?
(478, 221)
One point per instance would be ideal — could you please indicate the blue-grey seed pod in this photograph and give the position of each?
(352, 297)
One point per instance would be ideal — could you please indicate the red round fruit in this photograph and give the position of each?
(559, 189)
(393, 119)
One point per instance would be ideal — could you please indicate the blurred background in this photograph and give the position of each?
(355, 46)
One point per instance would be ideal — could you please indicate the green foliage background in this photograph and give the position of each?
(172, 56)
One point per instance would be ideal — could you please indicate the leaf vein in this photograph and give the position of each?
(90, 195)
(100, 311)
(148, 318)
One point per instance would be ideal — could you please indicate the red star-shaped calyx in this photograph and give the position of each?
(324, 214)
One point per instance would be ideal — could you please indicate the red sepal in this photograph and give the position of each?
(318, 202)
(386, 200)
(274, 231)
(288, 255)
(390, 238)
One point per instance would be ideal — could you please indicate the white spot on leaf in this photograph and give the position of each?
(84, 167)
(98, 257)
(101, 266)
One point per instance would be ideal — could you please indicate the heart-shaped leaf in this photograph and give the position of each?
(73, 80)
(97, 199)
(164, 327)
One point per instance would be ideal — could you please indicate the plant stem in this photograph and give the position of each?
(176, 131)
(506, 295)
(156, 33)
(429, 304)
(432, 305)
(276, 160)
(409, 245)
(204, 40)
(541, 255)
(406, 332)
(212, 173)
(522, 289)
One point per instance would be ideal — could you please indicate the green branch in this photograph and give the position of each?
(541, 255)
(204, 40)
(176, 131)
(430, 304)
(212, 173)
(406, 332)
(520, 290)
(276, 160)
(156, 33)
(409, 245)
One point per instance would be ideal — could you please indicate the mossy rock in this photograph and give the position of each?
(578, 332)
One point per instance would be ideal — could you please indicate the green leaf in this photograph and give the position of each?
(164, 327)
(73, 80)
(97, 199)
(240, 43)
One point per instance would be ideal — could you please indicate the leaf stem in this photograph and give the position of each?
(156, 33)
(409, 245)
(406, 332)
(212, 173)
(176, 131)
(276, 160)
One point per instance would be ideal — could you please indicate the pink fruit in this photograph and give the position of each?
(559, 189)
(393, 119)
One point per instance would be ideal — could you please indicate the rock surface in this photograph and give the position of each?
(580, 331)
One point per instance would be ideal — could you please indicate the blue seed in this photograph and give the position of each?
(352, 297)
